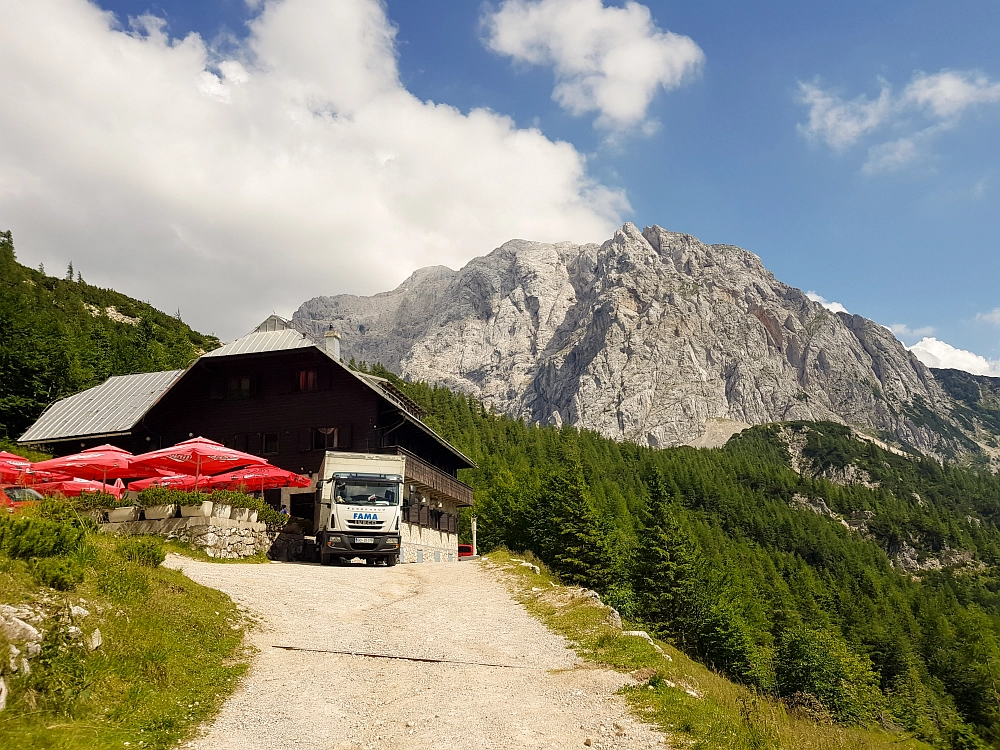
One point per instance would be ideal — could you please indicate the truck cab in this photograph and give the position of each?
(359, 508)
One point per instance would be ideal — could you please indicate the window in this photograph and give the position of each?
(238, 387)
(270, 443)
(306, 381)
(324, 438)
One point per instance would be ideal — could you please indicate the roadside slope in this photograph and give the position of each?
(457, 612)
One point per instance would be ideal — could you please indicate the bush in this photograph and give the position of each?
(28, 538)
(167, 496)
(820, 663)
(235, 499)
(265, 513)
(60, 573)
(146, 551)
(96, 501)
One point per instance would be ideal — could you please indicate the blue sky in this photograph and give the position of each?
(887, 205)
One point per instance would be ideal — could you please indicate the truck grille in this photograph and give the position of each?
(364, 525)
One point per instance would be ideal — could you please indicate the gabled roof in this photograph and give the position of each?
(111, 408)
(263, 341)
(117, 405)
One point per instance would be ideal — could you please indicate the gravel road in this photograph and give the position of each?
(543, 697)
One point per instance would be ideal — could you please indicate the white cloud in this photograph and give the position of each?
(831, 306)
(606, 59)
(992, 317)
(841, 123)
(935, 353)
(948, 93)
(297, 165)
(903, 331)
(940, 98)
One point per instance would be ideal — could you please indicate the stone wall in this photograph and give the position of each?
(421, 544)
(219, 537)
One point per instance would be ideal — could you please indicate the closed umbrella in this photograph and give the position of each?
(264, 477)
(197, 456)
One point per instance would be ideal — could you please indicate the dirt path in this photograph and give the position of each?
(457, 611)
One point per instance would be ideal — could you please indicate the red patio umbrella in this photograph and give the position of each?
(171, 481)
(75, 487)
(197, 456)
(17, 469)
(12, 466)
(266, 477)
(101, 463)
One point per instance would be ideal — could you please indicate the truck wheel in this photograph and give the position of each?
(391, 560)
(326, 559)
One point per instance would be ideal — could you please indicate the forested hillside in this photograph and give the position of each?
(731, 555)
(59, 336)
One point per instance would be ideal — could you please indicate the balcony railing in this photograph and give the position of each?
(430, 479)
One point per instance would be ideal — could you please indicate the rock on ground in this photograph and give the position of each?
(461, 611)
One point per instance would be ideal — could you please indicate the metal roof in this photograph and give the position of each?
(112, 407)
(263, 341)
(115, 406)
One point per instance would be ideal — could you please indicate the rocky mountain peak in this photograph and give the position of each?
(652, 336)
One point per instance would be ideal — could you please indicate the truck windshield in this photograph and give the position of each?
(365, 492)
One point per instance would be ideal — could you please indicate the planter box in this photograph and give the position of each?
(240, 514)
(221, 511)
(123, 515)
(191, 511)
(159, 512)
(252, 518)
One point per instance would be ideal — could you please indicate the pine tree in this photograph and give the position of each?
(69, 271)
(666, 569)
(569, 533)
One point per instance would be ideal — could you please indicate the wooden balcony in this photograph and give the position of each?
(431, 480)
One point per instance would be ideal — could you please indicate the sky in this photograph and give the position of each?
(232, 158)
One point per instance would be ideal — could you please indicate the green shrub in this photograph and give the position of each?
(821, 664)
(96, 501)
(265, 513)
(60, 573)
(167, 496)
(28, 538)
(146, 551)
(233, 498)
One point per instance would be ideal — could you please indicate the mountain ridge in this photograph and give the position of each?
(652, 337)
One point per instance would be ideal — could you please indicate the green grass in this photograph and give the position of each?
(723, 716)
(172, 653)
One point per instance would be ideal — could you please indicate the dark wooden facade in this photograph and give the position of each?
(289, 406)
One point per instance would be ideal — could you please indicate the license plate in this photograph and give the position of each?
(364, 540)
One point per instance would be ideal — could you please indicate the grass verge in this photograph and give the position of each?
(172, 652)
(694, 705)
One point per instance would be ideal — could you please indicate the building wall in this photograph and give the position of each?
(422, 544)
(273, 407)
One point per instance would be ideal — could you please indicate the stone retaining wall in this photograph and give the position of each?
(219, 537)
(421, 544)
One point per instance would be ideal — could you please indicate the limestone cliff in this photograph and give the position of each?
(652, 337)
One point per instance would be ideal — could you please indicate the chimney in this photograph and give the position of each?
(332, 340)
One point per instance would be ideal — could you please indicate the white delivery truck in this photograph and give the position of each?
(359, 508)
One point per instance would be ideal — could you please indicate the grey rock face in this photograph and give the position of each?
(652, 337)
